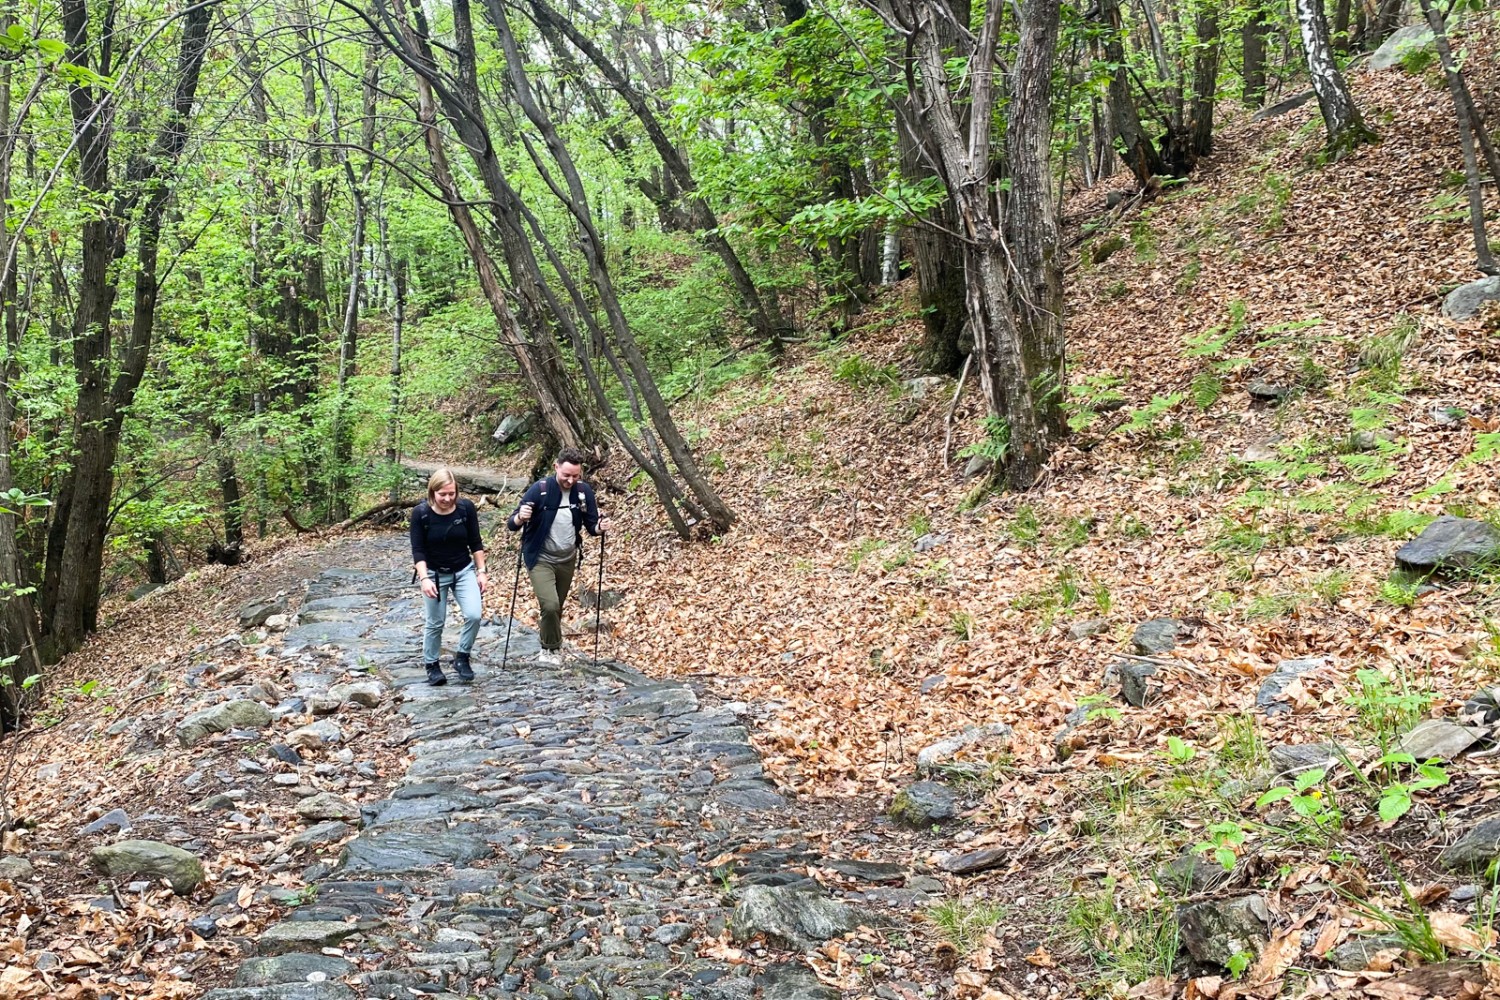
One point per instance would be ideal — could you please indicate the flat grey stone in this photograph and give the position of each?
(326, 806)
(1157, 636)
(1269, 698)
(1291, 758)
(670, 934)
(1356, 954)
(1087, 627)
(867, 871)
(399, 810)
(302, 935)
(1412, 37)
(320, 834)
(1450, 543)
(406, 850)
(14, 868)
(115, 819)
(976, 861)
(1439, 738)
(253, 614)
(1137, 686)
(294, 967)
(791, 981)
(220, 718)
(940, 752)
(286, 991)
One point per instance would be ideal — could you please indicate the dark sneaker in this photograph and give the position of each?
(461, 664)
(435, 675)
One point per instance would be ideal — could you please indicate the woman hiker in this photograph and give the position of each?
(449, 555)
(551, 518)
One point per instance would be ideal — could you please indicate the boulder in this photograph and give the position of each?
(942, 751)
(239, 714)
(1412, 38)
(1219, 929)
(326, 805)
(923, 386)
(1450, 543)
(1465, 301)
(115, 819)
(924, 803)
(148, 857)
(928, 542)
(1439, 738)
(793, 981)
(799, 917)
(14, 868)
(1356, 954)
(254, 614)
(366, 694)
(1268, 392)
(1475, 849)
(1155, 637)
(978, 466)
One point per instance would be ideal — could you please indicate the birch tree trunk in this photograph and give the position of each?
(1342, 121)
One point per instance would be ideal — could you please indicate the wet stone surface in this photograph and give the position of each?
(550, 838)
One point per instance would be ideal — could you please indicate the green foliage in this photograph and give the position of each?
(1144, 420)
(1223, 840)
(1386, 707)
(1310, 798)
(861, 373)
(1206, 389)
(1133, 939)
(1087, 398)
(1396, 798)
(995, 444)
(963, 923)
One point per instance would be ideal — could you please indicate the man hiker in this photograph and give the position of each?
(448, 553)
(551, 517)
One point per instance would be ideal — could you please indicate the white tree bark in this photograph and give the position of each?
(1341, 118)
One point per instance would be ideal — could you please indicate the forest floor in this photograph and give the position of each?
(870, 602)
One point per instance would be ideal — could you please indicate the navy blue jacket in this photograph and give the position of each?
(545, 498)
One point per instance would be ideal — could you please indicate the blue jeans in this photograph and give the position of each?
(464, 586)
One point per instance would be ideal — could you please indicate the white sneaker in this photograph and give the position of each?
(549, 658)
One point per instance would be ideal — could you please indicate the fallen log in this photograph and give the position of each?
(470, 479)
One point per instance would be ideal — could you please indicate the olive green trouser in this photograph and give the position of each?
(552, 581)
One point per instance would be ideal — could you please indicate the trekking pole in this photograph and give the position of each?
(599, 602)
(515, 586)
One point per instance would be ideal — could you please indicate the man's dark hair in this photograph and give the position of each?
(573, 456)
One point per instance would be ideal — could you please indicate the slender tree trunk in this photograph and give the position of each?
(1383, 24)
(1341, 118)
(398, 322)
(1253, 40)
(1468, 127)
(1140, 154)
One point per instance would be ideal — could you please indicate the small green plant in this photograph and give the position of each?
(1179, 751)
(1398, 593)
(861, 373)
(1206, 389)
(1143, 239)
(1144, 420)
(1332, 586)
(1130, 939)
(995, 444)
(1413, 927)
(963, 923)
(1386, 707)
(1417, 59)
(1098, 706)
(1025, 526)
(1222, 840)
(919, 525)
(1092, 395)
(862, 549)
(1311, 799)
(1396, 797)
(1102, 599)
(1239, 963)
(1275, 605)
(1074, 533)
(1116, 289)
(962, 625)
(1242, 748)
(1133, 527)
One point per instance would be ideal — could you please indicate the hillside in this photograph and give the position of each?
(871, 602)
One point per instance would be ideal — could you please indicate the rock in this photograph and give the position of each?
(923, 386)
(928, 542)
(793, 981)
(316, 735)
(513, 427)
(148, 857)
(366, 694)
(286, 754)
(1269, 698)
(604, 600)
(670, 934)
(1156, 637)
(1136, 684)
(922, 804)
(1261, 451)
(279, 623)
(240, 714)
(141, 590)
(1113, 199)
(976, 861)
(1087, 627)
(867, 871)
(1447, 416)
(285, 991)
(326, 805)
(319, 834)
(1450, 543)
(1219, 929)
(205, 926)
(799, 917)
(1267, 392)
(253, 614)
(1465, 301)
(1282, 107)
(1291, 758)
(14, 868)
(1438, 738)
(1482, 708)
(943, 750)
(1413, 37)
(978, 466)
(291, 968)
(1475, 849)
(115, 819)
(302, 935)
(1356, 954)
(1189, 874)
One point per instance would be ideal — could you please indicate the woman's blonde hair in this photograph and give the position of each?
(440, 478)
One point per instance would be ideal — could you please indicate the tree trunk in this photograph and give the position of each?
(398, 322)
(1140, 154)
(1468, 127)
(1253, 40)
(1205, 80)
(76, 546)
(1383, 24)
(1341, 118)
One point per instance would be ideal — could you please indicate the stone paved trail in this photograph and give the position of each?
(552, 836)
